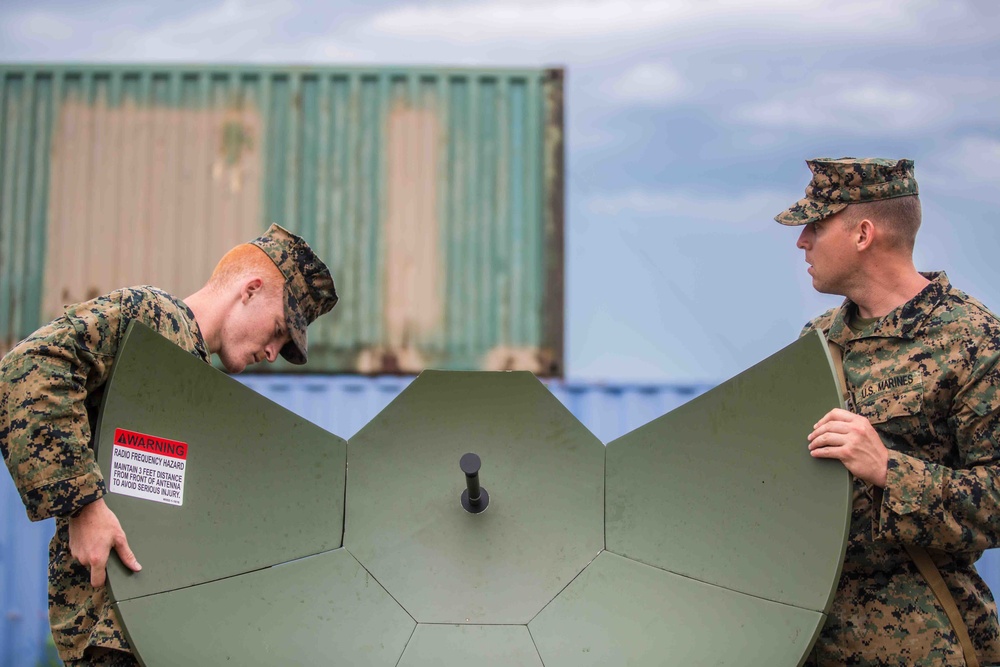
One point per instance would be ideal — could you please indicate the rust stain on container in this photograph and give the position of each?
(147, 195)
(540, 361)
(414, 301)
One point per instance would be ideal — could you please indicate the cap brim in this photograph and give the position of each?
(807, 210)
(293, 354)
(295, 351)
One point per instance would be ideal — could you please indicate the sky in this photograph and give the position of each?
(688, 123)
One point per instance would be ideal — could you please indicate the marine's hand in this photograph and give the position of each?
(852, 440)
(92, 535)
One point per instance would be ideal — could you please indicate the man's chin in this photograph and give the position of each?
(233, 368)
(825, 289)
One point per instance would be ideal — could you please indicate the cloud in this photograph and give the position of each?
(42, 25)
(590, 139)
(859, 102)
(525, 32)
(970, 168)
(975, 160)
(230, 30)
(216, 31)
(682, 206)
(516, 20)
(222, 19)
(654, 84)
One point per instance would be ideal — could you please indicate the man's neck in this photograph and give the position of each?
(884, 291)
(201, 304)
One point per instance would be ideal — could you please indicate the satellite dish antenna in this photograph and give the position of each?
(707, 536)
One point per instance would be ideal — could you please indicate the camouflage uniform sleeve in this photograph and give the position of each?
(810, 326)
(952, 509)
(44, 424)
(821, 323)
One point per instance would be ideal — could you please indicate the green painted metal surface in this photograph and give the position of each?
(324, 610)
(620, 612)
(465, 645)
(260, 485)
(543, 470)
(723, 489)
(26, 120)
(419, 580)
(435, 194)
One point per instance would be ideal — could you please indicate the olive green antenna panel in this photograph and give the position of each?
(323, 610)
(478, 510)
(465, 645)
(724, 490)
(208, 478)
(620, 613)
(502, 438)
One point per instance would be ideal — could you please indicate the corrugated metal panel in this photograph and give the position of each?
(341, 405)
(436, 195)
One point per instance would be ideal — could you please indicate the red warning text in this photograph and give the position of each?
(151, 444)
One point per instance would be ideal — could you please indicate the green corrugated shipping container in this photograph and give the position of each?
(435, 195)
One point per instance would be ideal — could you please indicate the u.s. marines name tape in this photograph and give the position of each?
(149, 467)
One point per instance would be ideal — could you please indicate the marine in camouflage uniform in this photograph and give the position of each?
(51, 391)
(926, 376)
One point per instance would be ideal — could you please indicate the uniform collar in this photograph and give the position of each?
(903, 322)
(200, 346)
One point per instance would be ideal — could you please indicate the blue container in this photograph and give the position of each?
(23, 564)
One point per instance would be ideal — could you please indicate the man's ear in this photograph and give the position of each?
(250, 288)
(865, 232)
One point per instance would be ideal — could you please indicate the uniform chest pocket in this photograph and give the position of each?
(895, 406)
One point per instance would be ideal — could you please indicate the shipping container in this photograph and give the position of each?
(435, 195)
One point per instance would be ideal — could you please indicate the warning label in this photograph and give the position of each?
(145, 466)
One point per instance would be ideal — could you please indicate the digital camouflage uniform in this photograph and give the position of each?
(927, 376)
(52, 385)
(836, 184)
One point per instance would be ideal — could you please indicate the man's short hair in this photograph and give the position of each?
(243, 261)
(898, 218)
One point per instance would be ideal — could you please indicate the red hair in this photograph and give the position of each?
(243, 262)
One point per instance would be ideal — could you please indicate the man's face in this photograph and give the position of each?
(830, 252)
(255, 331)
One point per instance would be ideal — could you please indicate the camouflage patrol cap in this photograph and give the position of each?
(837, 183)
(309, 289)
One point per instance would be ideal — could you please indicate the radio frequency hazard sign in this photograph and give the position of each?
(145, 466)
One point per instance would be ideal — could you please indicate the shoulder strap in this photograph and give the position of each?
(919, 555)
(934, 579)
(838, 365)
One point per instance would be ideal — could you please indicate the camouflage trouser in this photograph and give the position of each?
(96, 656)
